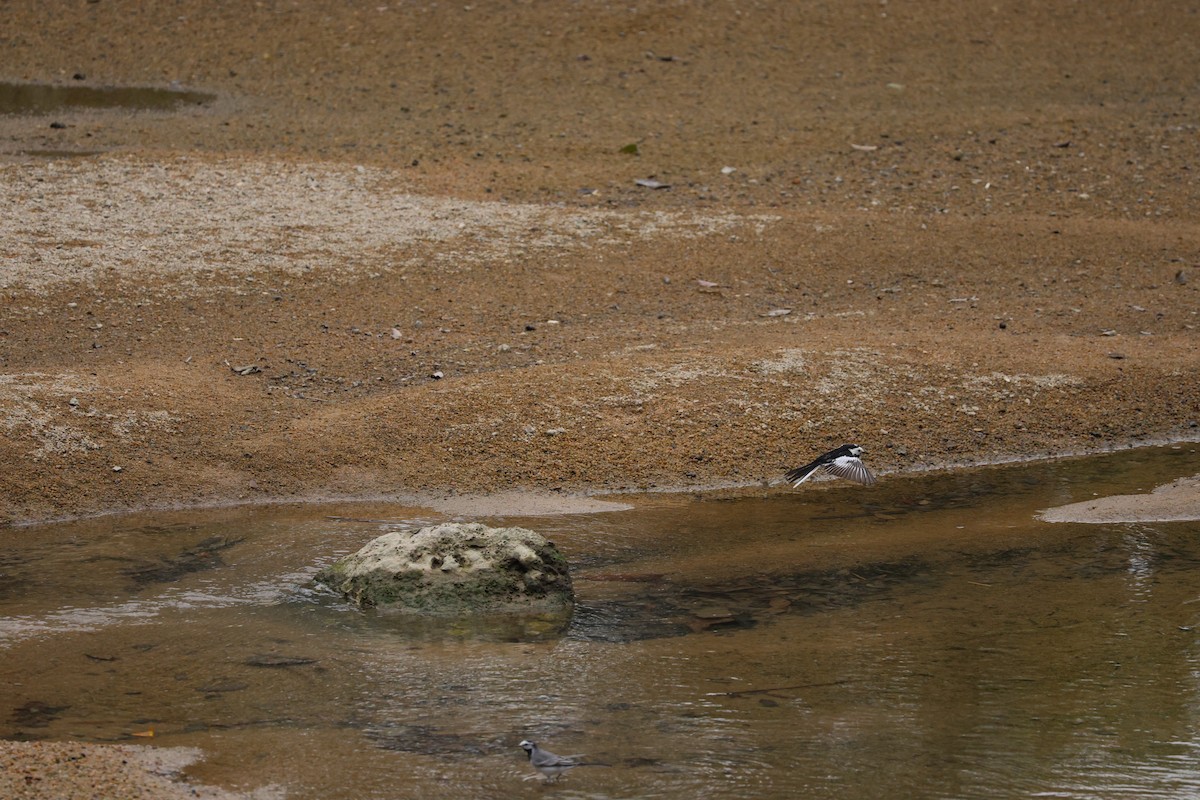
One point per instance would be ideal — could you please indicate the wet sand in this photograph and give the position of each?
(72, 771)
(1172, 502)
(403, 252)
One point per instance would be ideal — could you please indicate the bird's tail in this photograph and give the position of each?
(799, 475)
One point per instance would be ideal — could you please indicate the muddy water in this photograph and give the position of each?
(43, 98)
(926, 638)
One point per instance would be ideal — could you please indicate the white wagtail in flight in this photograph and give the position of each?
(842, 462)
(547, 763)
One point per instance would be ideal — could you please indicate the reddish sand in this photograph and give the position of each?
(403, 253)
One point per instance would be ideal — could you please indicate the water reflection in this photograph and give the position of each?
(928, 638)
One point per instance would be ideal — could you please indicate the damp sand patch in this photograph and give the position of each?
(1178, 501)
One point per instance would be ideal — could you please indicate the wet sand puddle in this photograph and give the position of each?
(44, 98)
(925, 638)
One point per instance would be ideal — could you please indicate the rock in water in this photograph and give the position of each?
(454, 569)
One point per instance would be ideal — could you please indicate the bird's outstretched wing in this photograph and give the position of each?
(850, 468)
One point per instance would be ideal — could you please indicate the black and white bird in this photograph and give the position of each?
(843, 462)
(549, 764)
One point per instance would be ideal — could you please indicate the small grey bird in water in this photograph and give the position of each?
(843, 462)
(549, 764)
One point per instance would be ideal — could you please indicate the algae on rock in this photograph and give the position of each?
(455, 568)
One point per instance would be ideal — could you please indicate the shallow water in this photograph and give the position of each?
(45, 98)
(926, 638)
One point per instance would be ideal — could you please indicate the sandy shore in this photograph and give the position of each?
(403, 250)
(71, 771)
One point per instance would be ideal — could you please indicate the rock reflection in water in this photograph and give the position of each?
(478, 627)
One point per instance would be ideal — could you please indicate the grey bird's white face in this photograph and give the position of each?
(549, 765)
